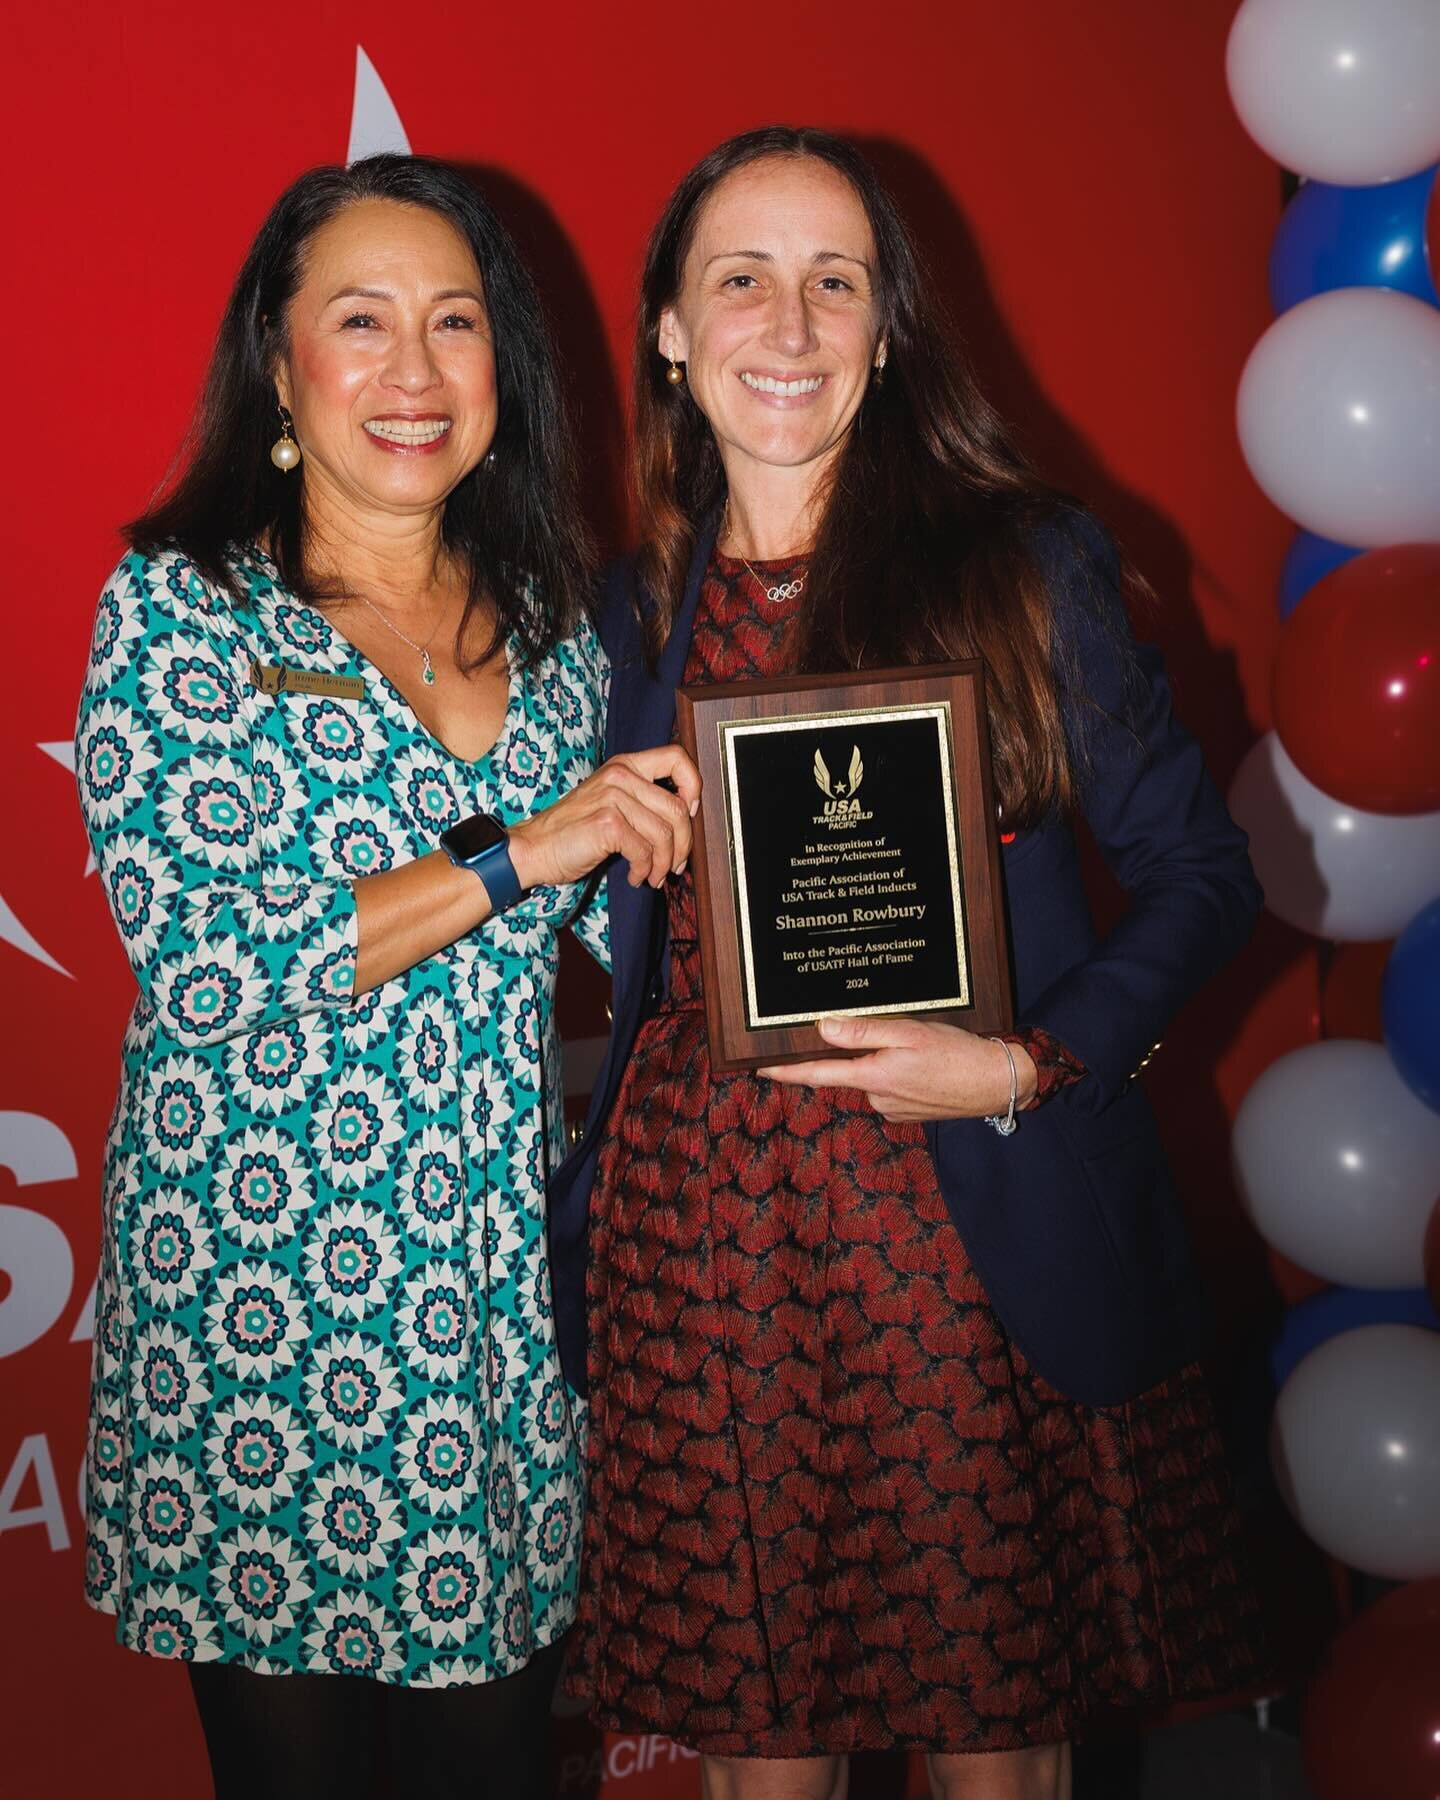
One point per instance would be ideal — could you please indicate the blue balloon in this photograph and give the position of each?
(1334, 237)
(1306, 1326)
(1306, 561)
(1410, 1006)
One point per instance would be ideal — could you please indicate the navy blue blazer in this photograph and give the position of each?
(1072, 1223)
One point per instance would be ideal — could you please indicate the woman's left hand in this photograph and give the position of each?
(915, 1069)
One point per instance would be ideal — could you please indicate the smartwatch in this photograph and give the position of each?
(482, 844)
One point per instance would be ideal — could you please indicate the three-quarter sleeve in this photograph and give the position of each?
(175, 796)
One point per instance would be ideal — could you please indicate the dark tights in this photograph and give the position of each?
(310, 1737)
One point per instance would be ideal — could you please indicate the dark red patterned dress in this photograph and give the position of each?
(831, 1507)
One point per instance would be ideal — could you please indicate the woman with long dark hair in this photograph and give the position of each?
(339, 756)
(897, 1438)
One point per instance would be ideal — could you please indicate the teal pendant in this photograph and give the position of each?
(427, 674)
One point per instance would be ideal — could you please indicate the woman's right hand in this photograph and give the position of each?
(617, 811)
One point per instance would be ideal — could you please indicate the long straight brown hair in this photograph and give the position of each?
(927, 546)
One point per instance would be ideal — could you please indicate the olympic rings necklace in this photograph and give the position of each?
(782, 590)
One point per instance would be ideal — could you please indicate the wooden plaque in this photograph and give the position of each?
(847, 859)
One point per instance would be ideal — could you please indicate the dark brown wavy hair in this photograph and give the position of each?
(927, 547)
(513, 523)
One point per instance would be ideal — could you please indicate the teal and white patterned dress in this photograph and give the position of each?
(329, 1430)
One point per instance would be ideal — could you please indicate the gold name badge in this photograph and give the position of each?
(275, 678)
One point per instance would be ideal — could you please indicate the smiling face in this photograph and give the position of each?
(390, 369)
(777, 320)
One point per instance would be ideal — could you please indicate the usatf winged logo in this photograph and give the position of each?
(839, 790)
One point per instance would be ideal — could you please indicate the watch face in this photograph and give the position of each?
(473, 836)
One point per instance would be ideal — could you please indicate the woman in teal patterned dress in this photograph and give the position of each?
(330, 1437)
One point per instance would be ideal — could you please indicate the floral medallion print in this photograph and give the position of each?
(273, 1070)
(257, 1324)
(337, 741)
(350, 1633)
(353, 1387)
(354, 1123)
(262, 1187)
(141, 880)
(328, 1430)
(370, 1017)
(423, 788)
(445, 1579)
(102, 1562)
(189, 692)
(167, 1620)
(437, 1452)
(172, 1244)
(553, 1524)
(208, 810)
(196, 998)
(433, 1321)
(354, 1518)
(260, 1579)
(519, 1016)
(281, 794)
(426, 1053)
(120, 620)
(322, 971)
(183, 1113)
(545, 1419)
(256, 1452)
(171, 1381)
(351, 836)
(350, 1259)
(114, 756)
(170, 1512)
(430, 1188)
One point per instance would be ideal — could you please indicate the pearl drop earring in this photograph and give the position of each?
(285, 452)
(674, 374)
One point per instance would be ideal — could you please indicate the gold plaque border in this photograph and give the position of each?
(729, 729)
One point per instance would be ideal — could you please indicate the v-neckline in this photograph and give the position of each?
(514, 694)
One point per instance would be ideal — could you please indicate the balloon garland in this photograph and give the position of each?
(1337, 1145)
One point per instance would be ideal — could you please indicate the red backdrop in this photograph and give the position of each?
(1097, 220)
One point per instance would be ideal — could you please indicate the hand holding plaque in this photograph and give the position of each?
(847, 862)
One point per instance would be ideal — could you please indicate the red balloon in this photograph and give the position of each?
(1356, 685)
(1350, 991)
(1432, 1256)
(1432, 234)
(1371, 1727)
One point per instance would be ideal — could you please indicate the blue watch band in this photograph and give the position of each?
(490, 861)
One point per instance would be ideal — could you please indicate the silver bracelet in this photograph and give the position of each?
(1005, 1123)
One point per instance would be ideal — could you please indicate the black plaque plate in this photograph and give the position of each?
(847, 860)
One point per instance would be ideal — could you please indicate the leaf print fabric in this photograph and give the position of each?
(328, 1427)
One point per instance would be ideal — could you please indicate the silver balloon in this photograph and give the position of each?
(1339, 1164)
(1343, 90)
(1331, 869)
(1339, 415)
(1356, 1449)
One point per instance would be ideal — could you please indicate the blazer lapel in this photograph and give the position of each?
(642, 716)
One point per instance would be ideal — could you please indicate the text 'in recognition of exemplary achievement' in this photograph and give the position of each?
(847, 861)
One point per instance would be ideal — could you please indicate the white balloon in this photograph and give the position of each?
(1343, 90)
(1338, 1164)
(1328, 868)
(1339, 415)
(1356, 1449)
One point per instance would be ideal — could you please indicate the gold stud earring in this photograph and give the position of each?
(285, 452)
(674, 374)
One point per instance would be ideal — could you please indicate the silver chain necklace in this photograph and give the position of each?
(427, 672)
(782, 590)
